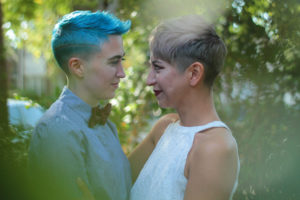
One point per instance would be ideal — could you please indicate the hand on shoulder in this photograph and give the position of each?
(140, 154)
(161, 125)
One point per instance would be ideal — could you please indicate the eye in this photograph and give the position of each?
(116, 61)
(157, 68)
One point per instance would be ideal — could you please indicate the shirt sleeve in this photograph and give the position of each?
(57, 159)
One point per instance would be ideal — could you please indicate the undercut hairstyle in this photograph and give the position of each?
(82, 33)
(188, 39)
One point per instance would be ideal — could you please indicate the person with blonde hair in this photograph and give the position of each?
(196, 157)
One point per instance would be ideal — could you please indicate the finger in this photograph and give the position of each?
(85, 190)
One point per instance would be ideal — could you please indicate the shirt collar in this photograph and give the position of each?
(75, 103)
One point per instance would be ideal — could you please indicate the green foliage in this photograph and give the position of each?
(13, 168)
(45, 101)
(30, 102)
(258, 95)
(19, 140)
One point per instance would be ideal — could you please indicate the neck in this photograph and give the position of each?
(81, 92)
(197, 109)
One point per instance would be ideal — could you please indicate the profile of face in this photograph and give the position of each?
(169, 84)
(103, 71)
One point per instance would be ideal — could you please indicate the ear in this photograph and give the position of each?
(76, 67)
(195, 73)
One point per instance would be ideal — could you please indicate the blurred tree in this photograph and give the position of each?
(259, 94)
(3, 84)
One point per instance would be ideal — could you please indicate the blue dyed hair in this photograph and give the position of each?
(82, 33)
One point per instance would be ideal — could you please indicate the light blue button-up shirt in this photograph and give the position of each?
(64, 148)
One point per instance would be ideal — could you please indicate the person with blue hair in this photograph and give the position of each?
(74, 141)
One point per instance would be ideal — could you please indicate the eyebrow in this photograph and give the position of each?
(116, 57)
(154, 62)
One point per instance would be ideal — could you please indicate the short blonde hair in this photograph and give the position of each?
(188, 39)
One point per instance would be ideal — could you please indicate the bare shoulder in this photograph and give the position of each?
(161, 124)
(171, 117)
(215, 143)
(167, 119)
(212, 161)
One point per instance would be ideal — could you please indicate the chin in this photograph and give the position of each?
(108, 96)
(111, 96)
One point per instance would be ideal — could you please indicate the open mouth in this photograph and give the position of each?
(157, 92)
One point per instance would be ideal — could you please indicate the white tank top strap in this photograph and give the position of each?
(215, 124)
(196, 129)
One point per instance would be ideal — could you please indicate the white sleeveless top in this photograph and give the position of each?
(162, 177)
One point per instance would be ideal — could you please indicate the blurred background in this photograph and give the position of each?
(257, 94)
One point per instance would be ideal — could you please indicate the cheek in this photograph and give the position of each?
(103, 75)
(174, 85)
(167, 80)
(95, 79)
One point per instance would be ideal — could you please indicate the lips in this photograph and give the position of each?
(115, 84)
(157, 92)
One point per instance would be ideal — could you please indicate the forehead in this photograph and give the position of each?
(113, 46)
(158, 61)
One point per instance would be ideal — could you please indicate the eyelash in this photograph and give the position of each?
(117, 61)
(157, 67)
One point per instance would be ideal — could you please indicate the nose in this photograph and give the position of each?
(151, 78)
(120, 72)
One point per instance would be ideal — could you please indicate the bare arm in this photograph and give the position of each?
(142, 152)
(211, 166)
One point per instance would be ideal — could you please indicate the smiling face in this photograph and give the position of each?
(103, 71)
(169, 84)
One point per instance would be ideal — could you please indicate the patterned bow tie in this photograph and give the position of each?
(99, 115)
